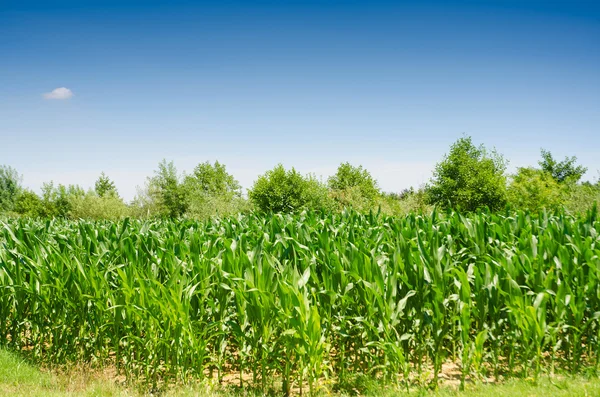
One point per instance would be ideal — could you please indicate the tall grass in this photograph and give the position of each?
(307, 297)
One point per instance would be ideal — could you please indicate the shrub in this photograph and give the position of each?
(469, 178)
(579, 198)
(562, 171)
(57, 201)
(354, 180)
(533, 189)
(210, 191)
(352, 197)
(29, 204)
(279, 190)
(93, 206)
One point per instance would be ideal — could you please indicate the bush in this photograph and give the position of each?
(279, 190)
(533, 189)
(209, 206)
(562, 171)
(93, 206)
(29, 204)
(350, 181)
(351, 197)
(469, 178)
(211, 191)
(57, 201)
(579, 198)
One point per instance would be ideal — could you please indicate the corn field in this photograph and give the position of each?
(292, 300)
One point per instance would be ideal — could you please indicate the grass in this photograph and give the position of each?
(19, 378)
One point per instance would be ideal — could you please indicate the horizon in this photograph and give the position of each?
(115, 87)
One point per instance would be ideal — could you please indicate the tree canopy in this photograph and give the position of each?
(279, 190)
(469, 177)
(561, 171)
(105, 187)
(10, 187)
(349, 176)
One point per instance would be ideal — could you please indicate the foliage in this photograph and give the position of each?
(211, 191)
(279, 190)
(410, 200)
(213, 180)
(533, 189)
(29, 204)
(105, 187)
(93, 206)
(58, 200)
(145, 205)
(166, 191)
(351, 197)
(10, 188)
(580, 198)
(298, 298)
(469, 178)
(351, 178)
(564, 170)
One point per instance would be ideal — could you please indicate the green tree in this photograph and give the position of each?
(10, 188)
(279, 190)
(211, 190)
(167, 191)
(533, 189)
(581, 197)
(469, 177)
(29, 204)
(105, 187)
(57, 201)
(213, 180)
(92, 206)
(562, 171)
(351, 177)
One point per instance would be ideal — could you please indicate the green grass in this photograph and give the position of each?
(19, 378)
(15, 372)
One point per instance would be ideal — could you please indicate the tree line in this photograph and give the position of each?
(468, 178)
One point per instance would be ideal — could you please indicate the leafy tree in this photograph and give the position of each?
(10, 188)
(581, 197)
(93, 206)
(213, 179)
(533, 189)
(351, 177)
(57, 201)
(105, 187)
(564, 170)
(279, 190)
(469, 177)
(29, 204)
(407, 201)
(351, 197)
(211, 190)
(167, 191)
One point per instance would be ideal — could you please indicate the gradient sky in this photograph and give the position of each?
(388, 85)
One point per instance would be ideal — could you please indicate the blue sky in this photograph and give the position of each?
(388, 85)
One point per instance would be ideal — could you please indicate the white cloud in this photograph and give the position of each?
(59, 93)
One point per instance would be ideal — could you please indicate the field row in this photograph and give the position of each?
(299, 298)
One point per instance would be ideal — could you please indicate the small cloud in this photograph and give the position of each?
(59, 93)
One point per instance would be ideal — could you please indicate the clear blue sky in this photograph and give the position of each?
(387, 85)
